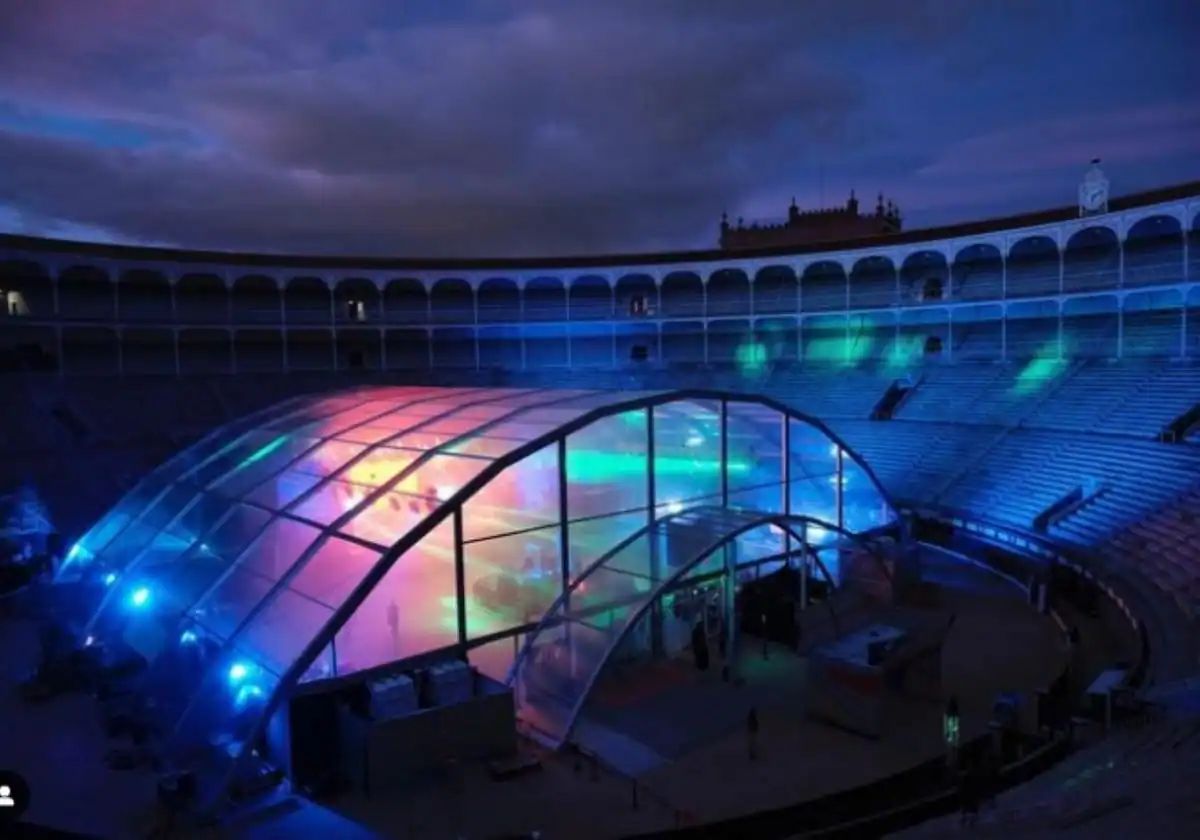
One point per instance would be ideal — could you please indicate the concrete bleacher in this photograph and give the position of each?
(1137, 782)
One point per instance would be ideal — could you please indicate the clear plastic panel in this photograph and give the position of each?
(488, 447)
(687, 451)
(226, 707)
(767, 498)
(330, 501)
(636, 557)
(521, 429)
(591, 538)
(441, 476)
(525, 495)
(143, 530)
(267, 460)
(399, 421)
(387, 519)
(864, 507)
(183, 583)
(279, 491)
(813, 453)
(495, 659)
(379, 466)
(278, 634)
(223, 610)
(328, 458)
(413, 608)
(267, 560)
(755, 448)
(334, 570)
(757, 544)
(250, 446)
(511, 580)
(454, 426)
(367, 434)
(607, 466)
(93, 543)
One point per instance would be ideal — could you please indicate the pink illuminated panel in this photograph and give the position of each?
(413, 609)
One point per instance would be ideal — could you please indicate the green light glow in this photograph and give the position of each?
(1041, 371)
(841, 350)
(751, 358)
(263, 451)
(906, 351)
(591, 466)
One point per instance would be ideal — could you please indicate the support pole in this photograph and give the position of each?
(1003, 306)
(460, 577)
(564, 540)
(656, 617)
(724, 453)
(841, 505)
(804, 566)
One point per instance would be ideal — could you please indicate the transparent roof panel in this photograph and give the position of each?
(328, 523)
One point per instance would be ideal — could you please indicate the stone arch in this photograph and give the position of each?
(201, 298)
(545, 299)
(308, 301)
(873, 282)
(256, 299)
(499, 300)
(776, 289)
(636, 296)
(1033, 267)
(728, 292)
(923, 271)
(1154, 251)
(823, 286)
(85, 292)
(144, 295)
(452, 301)
(590, 298)
(356, 300)
(405, 301)
(682, 294)
(26, 288)
(977, 272)
(1091, 260)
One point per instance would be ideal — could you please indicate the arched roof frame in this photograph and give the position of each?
(741, 525)
(606, 405)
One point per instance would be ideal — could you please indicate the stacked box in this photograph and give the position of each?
(450, 682)
(393, 696)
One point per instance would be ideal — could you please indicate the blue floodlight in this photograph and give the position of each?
(140, 597)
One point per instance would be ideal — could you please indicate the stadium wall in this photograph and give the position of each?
(1046, 285)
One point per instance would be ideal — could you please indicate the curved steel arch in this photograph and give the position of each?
(452, 507)
(752, 520)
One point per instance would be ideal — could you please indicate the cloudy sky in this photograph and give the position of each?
(537, 127)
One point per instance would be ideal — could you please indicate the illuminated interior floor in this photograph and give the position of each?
(695, 723)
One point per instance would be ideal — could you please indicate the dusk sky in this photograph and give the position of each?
(447, 128)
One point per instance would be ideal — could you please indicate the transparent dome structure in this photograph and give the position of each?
(332, 536)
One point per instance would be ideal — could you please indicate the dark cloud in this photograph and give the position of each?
(554, 127)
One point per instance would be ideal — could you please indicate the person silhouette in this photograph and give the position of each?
(6, 800)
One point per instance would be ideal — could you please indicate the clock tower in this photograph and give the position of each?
(1093, 191)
